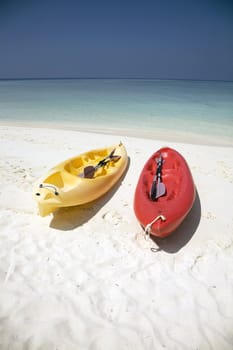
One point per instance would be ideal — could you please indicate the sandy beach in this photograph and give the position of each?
(86, 279)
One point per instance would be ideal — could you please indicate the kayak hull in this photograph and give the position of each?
(162, 216)
(65, 186)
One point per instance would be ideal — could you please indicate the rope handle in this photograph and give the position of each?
(148, 226)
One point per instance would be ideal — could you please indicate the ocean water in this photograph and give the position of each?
(135, 106)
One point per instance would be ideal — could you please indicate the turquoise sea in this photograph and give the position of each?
(135, 106)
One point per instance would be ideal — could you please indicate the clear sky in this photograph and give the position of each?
(168, 39)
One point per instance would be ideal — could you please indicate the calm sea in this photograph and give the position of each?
(135, 106)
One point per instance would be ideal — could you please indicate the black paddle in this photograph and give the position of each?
(158, 188)
(89, 171)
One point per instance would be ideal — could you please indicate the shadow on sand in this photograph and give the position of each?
(71, 217)
(182, 235)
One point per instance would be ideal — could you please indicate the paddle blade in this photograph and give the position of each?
(89, 172)
(160, 190)
(115, 158)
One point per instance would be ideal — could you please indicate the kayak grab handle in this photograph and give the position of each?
(49, 187)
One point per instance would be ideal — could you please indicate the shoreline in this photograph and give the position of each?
(78, 279)
(159, 134)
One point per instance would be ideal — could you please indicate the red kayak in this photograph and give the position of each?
(165, 193)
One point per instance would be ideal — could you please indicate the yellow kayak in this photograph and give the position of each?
(81, 179)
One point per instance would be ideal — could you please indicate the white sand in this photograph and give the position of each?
(85, 278)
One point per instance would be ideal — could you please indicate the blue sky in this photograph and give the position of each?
(168, 39)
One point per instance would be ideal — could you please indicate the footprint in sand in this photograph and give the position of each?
(112, 217)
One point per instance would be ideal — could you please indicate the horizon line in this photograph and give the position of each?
(111, 78)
